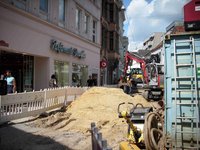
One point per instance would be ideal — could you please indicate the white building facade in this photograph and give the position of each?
(44, 37)
(153, 41)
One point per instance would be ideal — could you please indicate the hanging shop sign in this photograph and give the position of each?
(103, 64)
(59, 48)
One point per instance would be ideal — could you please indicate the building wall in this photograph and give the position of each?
(112, 22)
(41, 74)
(153, 41)
(28, 34)
(122, 54)
(122, 45)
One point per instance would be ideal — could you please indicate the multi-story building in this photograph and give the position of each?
(153, 41)
(123, 49)
(175, 27)
(123, 42)
(110, 40)
(43, 37)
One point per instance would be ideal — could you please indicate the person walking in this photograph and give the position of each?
(90, 82)
(11, 83)
(53, 81)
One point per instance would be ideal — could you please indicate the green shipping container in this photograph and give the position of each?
(182, 95)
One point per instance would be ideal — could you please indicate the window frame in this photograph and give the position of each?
(63, 11)
(111, 41)
(78, 18)
(94, 30)
(44, 10)
(62, 20)
(86, 23)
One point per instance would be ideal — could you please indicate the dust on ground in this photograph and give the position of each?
(99, 105)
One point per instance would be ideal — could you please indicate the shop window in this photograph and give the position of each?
(62, 72)
(28, 73)
(79, 75)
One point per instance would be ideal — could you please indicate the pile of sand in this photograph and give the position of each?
(98, 105)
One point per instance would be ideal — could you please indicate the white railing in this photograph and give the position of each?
(20, 105)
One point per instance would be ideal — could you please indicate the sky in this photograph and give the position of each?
(145, 17)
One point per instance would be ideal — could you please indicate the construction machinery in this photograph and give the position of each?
(140, 126)
(145, 128)
(134, 67)
(150, 74)
(155, 79)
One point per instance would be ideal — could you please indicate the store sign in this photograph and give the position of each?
(59, 48)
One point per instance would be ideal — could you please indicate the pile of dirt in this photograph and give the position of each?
(99, 105)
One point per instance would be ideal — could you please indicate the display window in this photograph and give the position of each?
(79, 75)
(62, 72)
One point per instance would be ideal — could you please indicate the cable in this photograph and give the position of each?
(151, 128)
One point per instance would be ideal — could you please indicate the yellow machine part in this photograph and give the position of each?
(138, 76)
(125, 145)
(131, 136)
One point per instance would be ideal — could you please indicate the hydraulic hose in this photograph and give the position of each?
(152, 132)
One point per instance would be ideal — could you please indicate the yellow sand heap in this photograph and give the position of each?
(99, 105)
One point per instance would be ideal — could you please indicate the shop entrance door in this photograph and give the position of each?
(21, 67)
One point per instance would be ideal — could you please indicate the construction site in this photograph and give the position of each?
(151, 117)
(154, 106)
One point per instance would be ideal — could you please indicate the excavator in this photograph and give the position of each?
(135, 65)
(151, 74)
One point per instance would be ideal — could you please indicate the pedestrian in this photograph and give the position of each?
(11, 83)
(94, 81)
(90, 82)
(53, 81)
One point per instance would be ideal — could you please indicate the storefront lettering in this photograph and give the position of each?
(58, 47)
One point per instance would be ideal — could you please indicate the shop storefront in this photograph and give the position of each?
(79, 73)
(21, 67)
(37, 49)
